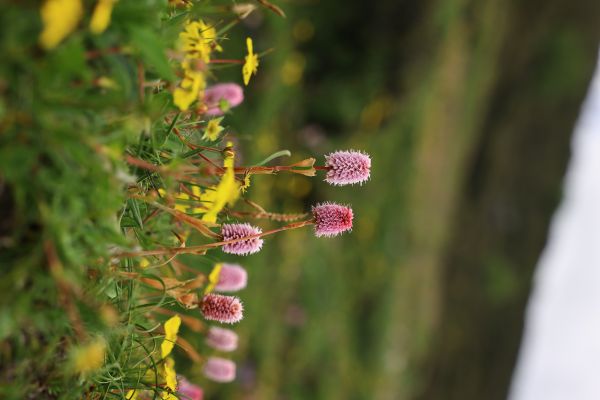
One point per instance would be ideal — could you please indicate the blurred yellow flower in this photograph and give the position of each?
(303, 30)
(131, 395)
(168, 396)
(226, 192)
(89, 357)
(213, 128)
(171, 329)
(109, 315)
(106, 83)
(192, 84)
(170, 375)
(101, 16)
(198, 40)
(213, 278)
(251, 64)
(197, 194)
(293, 68)
(181, 207)
(60, 18)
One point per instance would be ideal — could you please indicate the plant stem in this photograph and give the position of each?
(200, 248)
(272, 169)
(226, 61)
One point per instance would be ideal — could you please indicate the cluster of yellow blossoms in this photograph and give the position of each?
(212, 199)
(197, 42)
(167, 372)
(61, 17)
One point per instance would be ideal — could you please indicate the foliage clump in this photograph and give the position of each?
(115, 163)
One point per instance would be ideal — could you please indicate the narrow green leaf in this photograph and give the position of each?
(273, 156)
(161, 137)
(135, 210)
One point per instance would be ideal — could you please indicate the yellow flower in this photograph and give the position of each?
(144, 263)
(196, 191)
(106, 83)
(213, 278)
(192, 84)
(171, 329)
(181, 207)
(292, 69)
(169, 374)
(213, 128)
(246, 183)
(131, 395)
(101, 16)
(89, 357)
(226, 192)
(251, 65)
(60, 18)
(197, 196)
(198, 40)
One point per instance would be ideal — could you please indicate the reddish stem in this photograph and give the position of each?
(271, 169)
(226, 61)
(196, 249)
(91, 54)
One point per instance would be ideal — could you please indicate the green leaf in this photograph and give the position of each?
(152, 51)
(273, 156)
(135, 210)
(161, 137)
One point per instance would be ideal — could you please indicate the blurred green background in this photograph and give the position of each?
(466, 107)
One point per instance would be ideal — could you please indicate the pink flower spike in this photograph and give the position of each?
(240, 231)
(219, 369)
(231, 93)
(187, 390)
(225, 309)
(331, 219)
(221, 339)
(233, 277)
(347, 167)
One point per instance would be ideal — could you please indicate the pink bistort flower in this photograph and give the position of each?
(233, 277)
(219, 369)
(231, 93)
(331, 219)
(187, 390)
(240, 231)
(225, 309)
(221, 339)
(347, 167)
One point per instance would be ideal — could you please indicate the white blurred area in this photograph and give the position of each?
(560, 354)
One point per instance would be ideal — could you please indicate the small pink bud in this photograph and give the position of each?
(240, 231)
(219, 369)
(231, 278)
(347, 167)
(331, 219)
(222, 339)
(231, 93)
(225, 309)
(187, 390)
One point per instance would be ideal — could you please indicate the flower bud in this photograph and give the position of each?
(331, 219)
(225, 309)
(347, 167)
